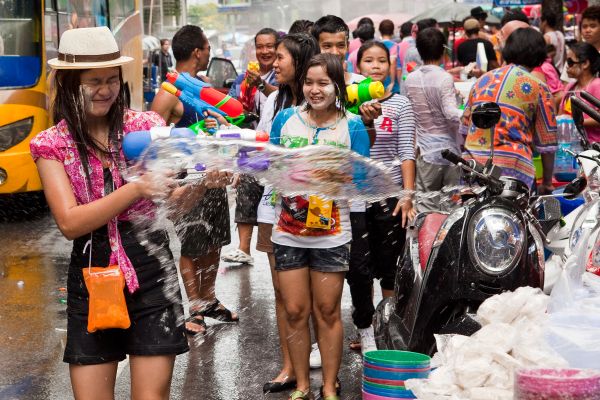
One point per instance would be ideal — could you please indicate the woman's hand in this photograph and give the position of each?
(369, 112)
(405, 206)
(154, 186)
(217, 179)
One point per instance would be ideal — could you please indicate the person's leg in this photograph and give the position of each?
(190, 275)
(287, 370)
(295, 288)
(327, 295)
(245, 234)
(429, 182)
(360, 276)
(208, 266)
(93, 382)
(151, 377)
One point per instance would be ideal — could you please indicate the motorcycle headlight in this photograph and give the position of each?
(495, 240)
(15, 133)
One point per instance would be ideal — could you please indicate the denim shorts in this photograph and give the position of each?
(335, 259)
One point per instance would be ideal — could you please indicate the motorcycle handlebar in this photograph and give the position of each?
(586, 108)
(453, 158)
(590, 98)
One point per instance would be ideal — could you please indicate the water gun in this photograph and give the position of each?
(202, 97)
(410, 67)
(247, 93)
(135, 143)
(359, 93)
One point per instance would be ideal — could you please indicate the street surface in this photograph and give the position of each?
(232, 361)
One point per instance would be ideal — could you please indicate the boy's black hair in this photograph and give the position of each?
(592, 12)
(329, 24)
(364, 32)
(426, 23)
(387, 27)
(406, 29)
(525, 47)
(186, 40)
(301, 26)
(514, 15)
(430, 44)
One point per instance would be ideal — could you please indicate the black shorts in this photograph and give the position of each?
(249, 193)
(206, 227)
(155, 309)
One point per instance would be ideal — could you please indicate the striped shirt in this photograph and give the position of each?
(395, 129)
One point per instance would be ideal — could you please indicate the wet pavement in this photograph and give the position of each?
(232, 361)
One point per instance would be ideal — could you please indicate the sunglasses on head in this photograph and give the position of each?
(571, 62)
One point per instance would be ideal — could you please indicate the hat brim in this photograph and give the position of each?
(55, 63)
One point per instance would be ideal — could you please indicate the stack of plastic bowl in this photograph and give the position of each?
(557, 384)
(384, 373)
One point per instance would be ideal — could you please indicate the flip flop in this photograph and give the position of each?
(193, 318)
(217, 311)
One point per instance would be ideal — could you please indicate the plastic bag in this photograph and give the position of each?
(573, 329)
(107, 306)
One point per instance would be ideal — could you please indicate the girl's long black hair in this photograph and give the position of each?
(69, 104)
(302, 47)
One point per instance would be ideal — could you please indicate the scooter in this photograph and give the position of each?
(452, 262)
(587, 216)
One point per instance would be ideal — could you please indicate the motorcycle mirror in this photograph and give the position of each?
(486, 115)
(575, 187)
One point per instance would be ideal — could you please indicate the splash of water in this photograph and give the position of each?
(328, 171)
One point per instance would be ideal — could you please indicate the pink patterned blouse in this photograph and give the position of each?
(56, 143)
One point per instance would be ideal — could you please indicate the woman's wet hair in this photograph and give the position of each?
(70, 104)
(525, 47)
(586, 52)
(302, 47)
(335, 71)
(369, 44)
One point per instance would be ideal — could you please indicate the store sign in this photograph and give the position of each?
(515, 3)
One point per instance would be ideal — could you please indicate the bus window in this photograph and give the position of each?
(20, 55)
(81, 14)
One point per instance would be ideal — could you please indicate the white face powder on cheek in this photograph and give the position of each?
(328, 93)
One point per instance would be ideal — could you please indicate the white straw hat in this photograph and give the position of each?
(85, 48)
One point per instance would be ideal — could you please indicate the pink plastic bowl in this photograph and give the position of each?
(384, 381)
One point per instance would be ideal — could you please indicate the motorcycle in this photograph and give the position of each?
(587, 216)
(454, 261)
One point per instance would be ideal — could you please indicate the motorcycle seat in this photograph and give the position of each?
(427, 233)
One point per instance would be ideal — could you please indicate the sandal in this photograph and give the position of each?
(300, 395)
(338, 390)
(217, 311)
(195, 320)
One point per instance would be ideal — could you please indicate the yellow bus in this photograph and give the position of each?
(29, 36)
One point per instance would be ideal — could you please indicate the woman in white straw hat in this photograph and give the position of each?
(81, 164)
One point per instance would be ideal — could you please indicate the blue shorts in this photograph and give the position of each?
(335, 259)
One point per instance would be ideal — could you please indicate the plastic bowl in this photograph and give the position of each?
(371, 396)
(397, 358)
(396, 376)
(567, 383)
(394, 394)
(383, 386)
(566, 206)
(383, 381)
(382, 367)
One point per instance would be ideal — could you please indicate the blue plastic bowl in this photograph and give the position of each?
(398, 376)
(393, 394)
(368, 364)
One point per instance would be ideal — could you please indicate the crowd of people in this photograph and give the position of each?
(299, 93)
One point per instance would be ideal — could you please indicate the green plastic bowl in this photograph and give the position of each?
(395, 358)
(383, 386)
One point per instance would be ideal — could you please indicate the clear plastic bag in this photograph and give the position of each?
(107, 306)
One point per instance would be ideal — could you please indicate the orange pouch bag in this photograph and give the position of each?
(107, 306)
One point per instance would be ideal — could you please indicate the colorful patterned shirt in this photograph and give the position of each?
(290, 129)
(57, 143)
(527, 123)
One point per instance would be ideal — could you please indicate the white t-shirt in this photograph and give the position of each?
(265, 213)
